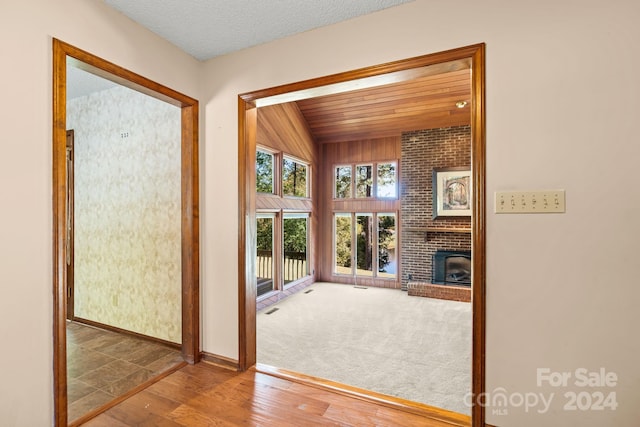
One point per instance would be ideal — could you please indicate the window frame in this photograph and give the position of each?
(391, 276)
(334, 240)
(395, 181)
(274, 170)
(335, 181)
(375, 249)
(356, 181)
(295, 215)
(273, 216)
(307, 190)
(353, 194)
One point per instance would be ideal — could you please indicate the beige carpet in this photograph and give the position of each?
(378, 339)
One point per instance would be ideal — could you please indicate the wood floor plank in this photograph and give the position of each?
(205, 395)
(104, 420)
(189, 417)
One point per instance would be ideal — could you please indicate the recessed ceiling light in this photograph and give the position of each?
(461, 104)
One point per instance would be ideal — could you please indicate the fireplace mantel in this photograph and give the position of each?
(437, 230)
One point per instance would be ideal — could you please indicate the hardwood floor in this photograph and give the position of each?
(207, 395)
(104, 365)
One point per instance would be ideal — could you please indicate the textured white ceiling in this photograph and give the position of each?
(209, 28)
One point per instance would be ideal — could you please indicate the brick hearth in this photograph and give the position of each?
(429, 290)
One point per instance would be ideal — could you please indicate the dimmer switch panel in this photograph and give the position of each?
(542, 201)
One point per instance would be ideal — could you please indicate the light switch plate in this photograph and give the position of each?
(540, 201)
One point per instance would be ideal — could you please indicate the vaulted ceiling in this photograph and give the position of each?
(433, 98)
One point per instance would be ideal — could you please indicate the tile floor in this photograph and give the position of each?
(102, 365)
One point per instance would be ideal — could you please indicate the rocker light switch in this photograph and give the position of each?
(542, 201)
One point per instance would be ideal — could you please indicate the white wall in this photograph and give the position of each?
(562, 104)
(26, 28)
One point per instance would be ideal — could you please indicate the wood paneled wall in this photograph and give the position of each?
(282, 129)
(345, 153)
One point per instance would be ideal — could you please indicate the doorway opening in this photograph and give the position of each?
(64, 54)
(249, 103)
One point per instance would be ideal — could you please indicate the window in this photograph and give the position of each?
(264, 261)
(364, 180)
(387, 261)
(294, 247)
(366, 241)
(342, 247)
(264, 172)
(386, 185)
(294, 178)
(364, 244)
(343, 182)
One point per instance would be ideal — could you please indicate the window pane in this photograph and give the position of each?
(264, 172)
(264, 262)
(294, 248)
(364, 180)
(387, 180)
(343, 182)
(294, 178)
(387, 261)
(364, 245)
(342, 242)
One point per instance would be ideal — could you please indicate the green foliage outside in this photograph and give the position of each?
(343, 241)
(295, 235)
(264, 234)
(343, 182)
(386, 180)
(294, 178)
(364, 180)
(264, 172)
(386, 238)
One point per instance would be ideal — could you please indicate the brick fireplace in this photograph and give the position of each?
(423, 236)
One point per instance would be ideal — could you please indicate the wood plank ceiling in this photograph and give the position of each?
(424, 102)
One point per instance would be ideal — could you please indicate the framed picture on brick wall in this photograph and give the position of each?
(451, 192)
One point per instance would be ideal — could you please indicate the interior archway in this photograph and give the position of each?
(189, 205)
(248, 105)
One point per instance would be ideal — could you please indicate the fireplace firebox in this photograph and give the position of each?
(452, 267)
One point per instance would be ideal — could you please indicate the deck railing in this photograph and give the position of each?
(294, 267)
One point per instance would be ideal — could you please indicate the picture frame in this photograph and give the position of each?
(452, 192)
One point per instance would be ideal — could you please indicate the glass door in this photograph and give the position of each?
(264, 261)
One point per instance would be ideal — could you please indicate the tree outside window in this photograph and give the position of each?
(387, 262)
(294, 246)
(264, 172)
(386, 185)
(343, 182)
(342, 244)
(364, 180)
(294, 178)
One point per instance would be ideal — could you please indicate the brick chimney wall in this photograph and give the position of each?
(422, 151)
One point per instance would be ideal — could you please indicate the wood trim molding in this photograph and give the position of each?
(474, 55)
(190, 205)
(221, 361)
(59, 234)
(247, 124)
(453, 418)
(478, 236)
(126, 332)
